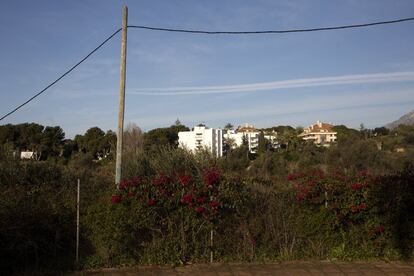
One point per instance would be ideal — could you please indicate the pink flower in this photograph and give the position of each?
(380, 229)
(151, 202)
(200, 209)
(116, 199)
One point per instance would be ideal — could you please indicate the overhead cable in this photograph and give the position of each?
(271, 31)
(61, 76)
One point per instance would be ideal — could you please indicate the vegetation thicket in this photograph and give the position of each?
(352, 200)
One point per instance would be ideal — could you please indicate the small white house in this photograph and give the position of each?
(202, 137)
(28, 155)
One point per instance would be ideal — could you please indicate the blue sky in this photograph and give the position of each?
(343, 77)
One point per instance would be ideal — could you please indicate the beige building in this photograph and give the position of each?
(319, 133)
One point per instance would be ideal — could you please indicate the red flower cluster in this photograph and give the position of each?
(214, 204)
(165, 192)
(184, 180)
(294, 176)
(355, 209)
(356, 186)
(364, 174)
(125, 183)
(187, 199)
(305, 190)
(201, 199)
(211, 178)
(116, 199)
(200, 209)
(162, 179)
(380, 230)
(299, 197)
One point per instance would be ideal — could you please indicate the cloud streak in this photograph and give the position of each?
(266, 86)
(307, 109)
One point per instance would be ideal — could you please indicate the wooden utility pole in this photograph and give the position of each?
(77, 222)
(119, 145)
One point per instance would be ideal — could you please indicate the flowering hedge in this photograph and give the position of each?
(363, 212)
(167, 217)
(175, 192)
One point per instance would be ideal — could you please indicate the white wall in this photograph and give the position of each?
(202, 137)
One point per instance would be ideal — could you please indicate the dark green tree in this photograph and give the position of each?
(161, 137)
(228, 126)
(264, 144)
(96, 142)
(381, 131)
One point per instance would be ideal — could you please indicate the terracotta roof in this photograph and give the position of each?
(319, 127)
(322, 126)
(246, 129)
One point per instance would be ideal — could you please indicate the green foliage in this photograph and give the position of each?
(36, 216)
(163, 137)
(330, 207)
(167, 216)
(264, 144)
(96, 142)
(45, 141)
(346, 134)
(381, 131)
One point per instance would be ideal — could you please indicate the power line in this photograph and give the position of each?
(61, 77)
(272, 31)
(204, 32)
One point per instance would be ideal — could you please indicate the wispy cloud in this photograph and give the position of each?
(266, 86)
(273, 111)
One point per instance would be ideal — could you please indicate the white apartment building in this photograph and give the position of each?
(248, 133)
(202, 137)
(272, 137)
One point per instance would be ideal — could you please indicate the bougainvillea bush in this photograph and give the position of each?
(167, 217)
(166, 209)
(356, 213)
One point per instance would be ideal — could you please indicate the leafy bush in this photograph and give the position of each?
(171, 201)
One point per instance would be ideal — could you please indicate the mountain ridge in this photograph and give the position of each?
(406, 119)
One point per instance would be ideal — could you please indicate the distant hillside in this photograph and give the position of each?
(407, 119)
